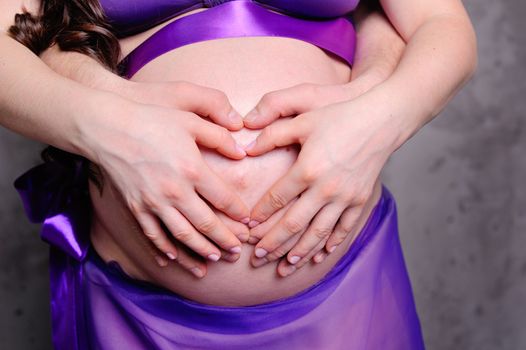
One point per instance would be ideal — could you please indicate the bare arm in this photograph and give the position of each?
(35, 101)
(440, 57)
(378, 46)
(110, 131)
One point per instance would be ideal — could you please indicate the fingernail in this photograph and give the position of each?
(245, 220)
(332, 248)
(260, 252)
(260, 262)
(235, 117)
(253, 239)
(287, 270)
(294, 259)
(253, 223)
(213, 257)
(162, 262)
(235, 250)
(251, 116)
(197, 271)
(171, 256)
(240, 150)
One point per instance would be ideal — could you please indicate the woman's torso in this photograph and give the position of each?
(245, 69)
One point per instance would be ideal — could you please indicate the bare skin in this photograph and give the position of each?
(261, 64)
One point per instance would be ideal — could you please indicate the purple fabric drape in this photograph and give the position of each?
(364, 302)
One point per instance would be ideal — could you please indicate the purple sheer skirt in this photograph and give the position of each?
(364, 302)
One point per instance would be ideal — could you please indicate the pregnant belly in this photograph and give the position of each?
(245, 69)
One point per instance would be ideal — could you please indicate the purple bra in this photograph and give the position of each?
(326, 24)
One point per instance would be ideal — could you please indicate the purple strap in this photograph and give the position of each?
(243, 18)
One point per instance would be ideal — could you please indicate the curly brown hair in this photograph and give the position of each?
(73, 25)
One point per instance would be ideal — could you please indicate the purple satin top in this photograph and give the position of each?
(326, 24)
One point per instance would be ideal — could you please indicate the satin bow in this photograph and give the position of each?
(56, 195)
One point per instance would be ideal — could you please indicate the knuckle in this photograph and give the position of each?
(225, 202)
(267, 132)
(277, 253)
(191, 172)
(173, 194)
(218, 95)
(309, 175)
(292, 225)
(182, 235)
(321, 232)
(271, 99)
(207, 226)
(135, 207)
(360, 198)
(330, 190)
(277, 201)
(151, 202)
(223, 135)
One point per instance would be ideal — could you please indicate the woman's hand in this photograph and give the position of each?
(151, 156)
(344, 146)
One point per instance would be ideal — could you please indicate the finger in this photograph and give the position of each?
(320, 256)
(208, 102)
(191, 263)
(186, 234)
(279, 195)
(296, 99)
(221, 196)
(239, 229)
(279, 134)
(217, 138)
(152, 229)
(277, 253)
(293, 222)
(285, 268)
(229, 256)
(344, 227)
(319, 230)
(206, 222)
(259, 231)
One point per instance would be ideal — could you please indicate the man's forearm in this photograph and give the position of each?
(378, 48)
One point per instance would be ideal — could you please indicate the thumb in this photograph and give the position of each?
(280, 133)
(286, 102)
(209, 103)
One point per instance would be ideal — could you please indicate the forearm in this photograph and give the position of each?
(378, 47)
(85, 70)
(378, 50)
(439, 59)
(42, 105)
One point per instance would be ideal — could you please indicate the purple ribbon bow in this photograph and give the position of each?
(56, 196)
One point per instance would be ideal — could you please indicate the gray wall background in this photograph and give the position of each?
(461, 202)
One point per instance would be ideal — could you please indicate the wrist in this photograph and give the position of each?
(404, 114)
(104, 111)
(392, 118)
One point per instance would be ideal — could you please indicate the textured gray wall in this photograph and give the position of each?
(461, 201)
